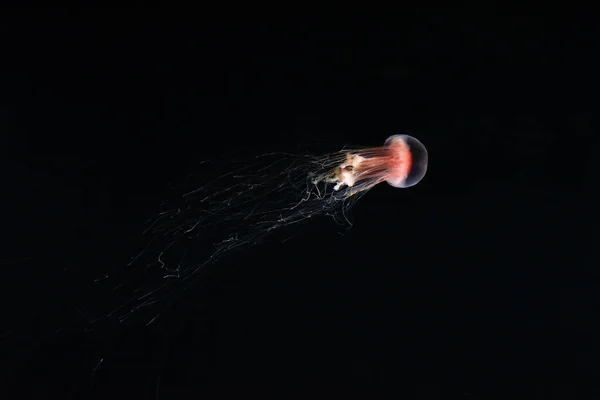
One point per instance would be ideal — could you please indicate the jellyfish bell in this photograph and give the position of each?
(408, 161)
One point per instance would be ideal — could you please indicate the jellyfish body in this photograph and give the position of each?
(263, 193)
(408, 163)
(401, 162)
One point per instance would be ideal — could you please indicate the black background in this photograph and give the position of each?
(484, 273)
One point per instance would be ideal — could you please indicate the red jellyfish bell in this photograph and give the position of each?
(407, 161)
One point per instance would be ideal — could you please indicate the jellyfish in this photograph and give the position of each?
(256, 196)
